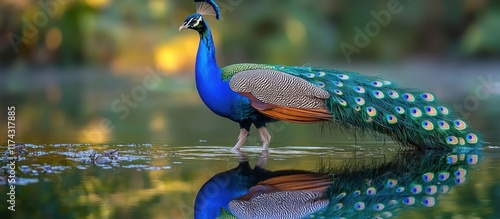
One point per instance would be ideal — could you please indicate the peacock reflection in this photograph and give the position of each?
(357, 189)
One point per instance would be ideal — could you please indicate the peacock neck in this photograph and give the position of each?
(214, 92)
(206, 64)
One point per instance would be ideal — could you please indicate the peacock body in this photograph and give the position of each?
(352, 101)
(262, 93)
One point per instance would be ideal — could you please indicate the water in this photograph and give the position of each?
(158, 181)
(82, 159)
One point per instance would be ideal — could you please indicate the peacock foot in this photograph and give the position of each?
(262, 159)
(241, 139)
(266, 138)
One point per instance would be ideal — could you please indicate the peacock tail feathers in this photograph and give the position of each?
(357, 189)
(409, 181)
(299, 204)
(369, 104)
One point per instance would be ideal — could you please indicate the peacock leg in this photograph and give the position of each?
(241, 139)
(265, 136)
(243, 157)
(262, 159)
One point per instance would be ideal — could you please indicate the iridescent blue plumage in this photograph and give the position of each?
(235, 183)
(261, 93)
(215, 92)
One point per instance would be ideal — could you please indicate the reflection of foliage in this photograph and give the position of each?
(99, 190)
(96, 192)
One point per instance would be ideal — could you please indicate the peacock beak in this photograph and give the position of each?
(183, 26)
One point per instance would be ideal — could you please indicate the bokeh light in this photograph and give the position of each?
(53, 39)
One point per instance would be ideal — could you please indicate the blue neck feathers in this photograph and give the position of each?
(214, 92)
(206, 64)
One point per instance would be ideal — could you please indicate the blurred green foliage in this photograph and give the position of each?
(94, 32)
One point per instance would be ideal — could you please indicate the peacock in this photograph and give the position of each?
(258, 94)
(356, 189)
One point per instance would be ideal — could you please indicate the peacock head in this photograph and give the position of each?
(195, 22)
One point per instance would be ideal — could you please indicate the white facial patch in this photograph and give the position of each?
(197, 21)
(186, 23)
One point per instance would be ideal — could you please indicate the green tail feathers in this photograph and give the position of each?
(410, 180)
(369, 104)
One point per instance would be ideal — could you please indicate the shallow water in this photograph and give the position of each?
(158, 181)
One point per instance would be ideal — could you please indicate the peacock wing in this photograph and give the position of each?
(286, 196)
(294, 182)
(278, 88)
(282, 96)
(284, 204)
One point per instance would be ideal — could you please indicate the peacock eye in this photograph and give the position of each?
(197, 22)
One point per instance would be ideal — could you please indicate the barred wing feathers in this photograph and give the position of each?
(352, 101)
